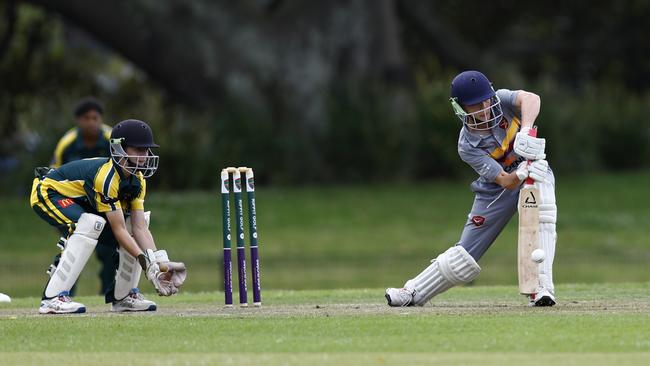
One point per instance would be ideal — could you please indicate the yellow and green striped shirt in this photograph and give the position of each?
(95, 182)
(71, 147)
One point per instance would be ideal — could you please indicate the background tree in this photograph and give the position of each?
(321, 90)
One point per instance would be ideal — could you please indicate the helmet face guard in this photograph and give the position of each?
(471, 88)
(482, 120)
(130, 162)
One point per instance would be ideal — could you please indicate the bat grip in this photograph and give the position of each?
(532, 132)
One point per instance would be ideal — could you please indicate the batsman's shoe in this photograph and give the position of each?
(134, 301)
(399, 297)
(61, 304)
(543, 297)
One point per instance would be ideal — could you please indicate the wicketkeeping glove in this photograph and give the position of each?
(173, 272)
(151, 268)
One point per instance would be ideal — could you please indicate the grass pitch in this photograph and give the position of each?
(592, 324)
(338, 240)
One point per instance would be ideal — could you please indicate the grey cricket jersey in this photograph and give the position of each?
(488, 154)
(491, 152)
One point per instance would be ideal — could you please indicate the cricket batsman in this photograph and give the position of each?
(103, 199)
(494, 141)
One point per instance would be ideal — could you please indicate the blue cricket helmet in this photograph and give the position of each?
(134, 133)
(471, 88)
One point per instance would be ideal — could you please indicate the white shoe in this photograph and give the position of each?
(62, 304)
(399, 297)
(543, 297)
(134, 301)
(4, 298)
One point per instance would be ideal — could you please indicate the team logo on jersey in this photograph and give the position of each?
(107, 200)
(478, 220)
(65, 202)
(503, 124)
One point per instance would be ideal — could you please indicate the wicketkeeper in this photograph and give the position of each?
(90, 138)
(494, 141)
(103, 199)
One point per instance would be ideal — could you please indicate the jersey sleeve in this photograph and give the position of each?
(138, 202)
(106, 187)
(106, 131)
(480, 161)
(508, 99)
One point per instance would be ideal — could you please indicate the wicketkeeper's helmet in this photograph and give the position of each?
(135, 133)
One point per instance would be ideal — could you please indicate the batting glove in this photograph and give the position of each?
(538, 170)
(522, 170)
(529, 147)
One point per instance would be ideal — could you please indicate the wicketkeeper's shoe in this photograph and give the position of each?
(62, 304)
(543, 297)
(399, 297)
(134, 301)
(4, 298)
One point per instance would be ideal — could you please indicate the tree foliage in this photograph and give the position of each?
(320, 91)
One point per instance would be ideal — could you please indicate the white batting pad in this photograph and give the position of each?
(128, 271)
(78, 249)
(89, 225)
(547, 231)
(547, 206)
(453, 267)
(128, 274)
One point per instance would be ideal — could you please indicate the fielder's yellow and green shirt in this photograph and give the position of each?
(71, 147)
(96, 183)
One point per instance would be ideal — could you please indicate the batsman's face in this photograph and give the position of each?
(90, 123)
(480, 111)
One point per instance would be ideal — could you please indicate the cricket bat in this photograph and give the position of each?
(528, 239)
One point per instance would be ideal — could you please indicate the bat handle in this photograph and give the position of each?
(532, 132)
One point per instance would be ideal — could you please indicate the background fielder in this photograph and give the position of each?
(494, 141)
(88, 139)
